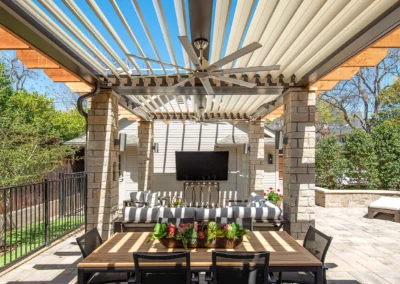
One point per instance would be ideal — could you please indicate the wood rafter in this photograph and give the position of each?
(367, 58)
(10, 42)
(276, 113)
(61, 75)
(34, 60)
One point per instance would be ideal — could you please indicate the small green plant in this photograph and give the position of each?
(273, 196)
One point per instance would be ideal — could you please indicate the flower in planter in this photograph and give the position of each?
(228, 228)
(273, 196)
(201, 235)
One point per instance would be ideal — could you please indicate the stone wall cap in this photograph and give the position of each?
(352, 191)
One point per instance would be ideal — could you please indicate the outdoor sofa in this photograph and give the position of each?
(141, 216)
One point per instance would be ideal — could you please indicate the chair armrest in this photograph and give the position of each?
(237, 200)
(127, 203)
(130, 203)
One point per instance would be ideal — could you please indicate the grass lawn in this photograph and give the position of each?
(25, 240)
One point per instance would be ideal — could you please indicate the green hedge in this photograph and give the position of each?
(368, 160)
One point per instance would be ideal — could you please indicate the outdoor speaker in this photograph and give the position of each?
(122, 142)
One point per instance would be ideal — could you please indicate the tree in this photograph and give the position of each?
(328, 117)
(362, 97)
(31, 133)
(361, 159)
(390, 110)
(386, 138)
(329, 163)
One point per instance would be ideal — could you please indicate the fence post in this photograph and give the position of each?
(62, 195)
(85, 183)
(46, 213)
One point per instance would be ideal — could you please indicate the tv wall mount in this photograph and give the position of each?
(192, 185)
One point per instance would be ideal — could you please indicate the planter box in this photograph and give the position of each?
(354, 198)
(216, 243)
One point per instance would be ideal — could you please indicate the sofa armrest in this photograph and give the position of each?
(130, 203)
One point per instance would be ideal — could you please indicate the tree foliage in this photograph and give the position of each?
(386, 138)
(330, 163)
(363, 97)
(361, 159)
(31, 134)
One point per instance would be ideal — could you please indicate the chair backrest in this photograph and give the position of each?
(317, 243)
(176, 221)
(89, 241)
(240, 267)
(170, 267)
(246, 223)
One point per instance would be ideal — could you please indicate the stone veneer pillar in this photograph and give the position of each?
(102, 162)
(299, 161)
(146, 155)
(256, 159)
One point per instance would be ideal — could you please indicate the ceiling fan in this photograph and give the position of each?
(204, 71)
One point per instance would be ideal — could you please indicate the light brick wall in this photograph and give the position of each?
(146, 155)
(299, 161)
(256, 160)
(102, 162)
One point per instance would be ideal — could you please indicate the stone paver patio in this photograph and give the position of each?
(363, 251)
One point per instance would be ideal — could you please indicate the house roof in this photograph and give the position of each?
(131, 140)
(232, 140)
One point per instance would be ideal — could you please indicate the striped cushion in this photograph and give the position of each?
(152, 200)
(140, 196)
(204, 214)
(141, 215)
(255, 200)
(177, 212)
(257, 213)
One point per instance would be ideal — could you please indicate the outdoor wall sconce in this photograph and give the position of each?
(155, 148)
(285, 140)
(270, 159)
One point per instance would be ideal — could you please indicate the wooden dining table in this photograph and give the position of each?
(116, 254)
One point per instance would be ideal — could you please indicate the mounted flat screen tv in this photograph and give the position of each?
(199, 166)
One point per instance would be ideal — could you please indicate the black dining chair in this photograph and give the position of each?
(154, 268)
(246, 223)
(316, 243)
(249, 268)
(88, 243)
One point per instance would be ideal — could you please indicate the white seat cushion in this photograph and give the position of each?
(271, 212)
(140, 215)
(177, 212)
(205, 214)
(390, 203)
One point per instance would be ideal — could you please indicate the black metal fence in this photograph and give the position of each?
(31, 216)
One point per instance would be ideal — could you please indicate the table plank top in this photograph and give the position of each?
(118, 250)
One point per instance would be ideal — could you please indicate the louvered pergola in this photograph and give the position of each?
(84, 44)
(316, 43)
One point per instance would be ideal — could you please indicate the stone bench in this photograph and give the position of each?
(388, 205)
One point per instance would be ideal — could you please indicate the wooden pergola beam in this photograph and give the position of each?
(369, 57)
(79, 87)
(341, 74)
(10, 42)
(61, 75)
(276, 113)
(323, 85)
(392, 40)
(34, 60)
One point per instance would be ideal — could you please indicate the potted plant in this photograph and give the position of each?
(274, 196)
(194, 235)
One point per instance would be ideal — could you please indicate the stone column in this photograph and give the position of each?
(102, 162)
(146, 155)
(299, 161)
(256, 159)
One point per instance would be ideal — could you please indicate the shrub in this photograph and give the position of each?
(386, 138)
(330, 163)
(361, 159)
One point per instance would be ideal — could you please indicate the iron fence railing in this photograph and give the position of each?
(32, 216)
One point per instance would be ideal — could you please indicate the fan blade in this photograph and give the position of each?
(159, 62)
(233, 56)
(246, 69)
(234, 81)
(181, 83)
(207, 85)
(190, 51)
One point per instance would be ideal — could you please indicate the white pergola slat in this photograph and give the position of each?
(181, 18)
(220, 21)
(80, 15)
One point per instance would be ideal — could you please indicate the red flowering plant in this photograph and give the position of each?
(273, 196)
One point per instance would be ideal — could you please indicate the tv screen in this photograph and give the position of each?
(201, 165)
